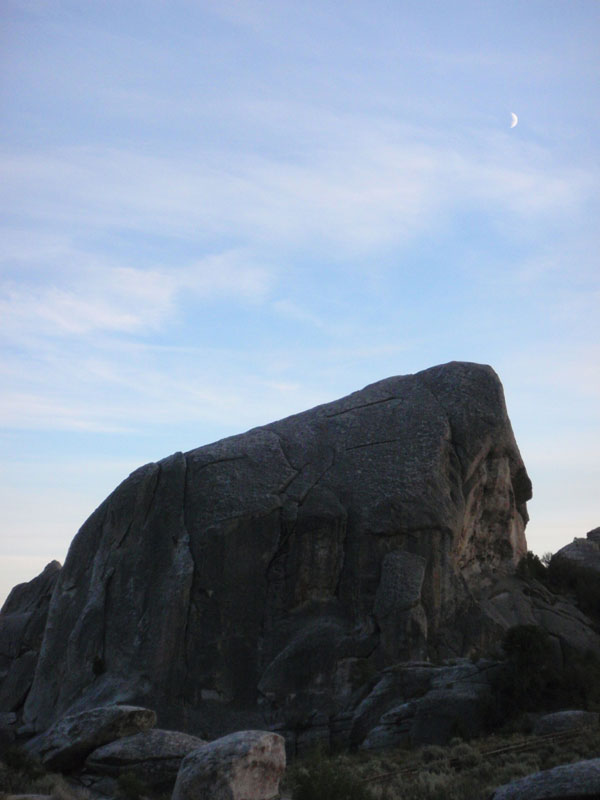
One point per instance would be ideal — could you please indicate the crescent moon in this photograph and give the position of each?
(513, 119)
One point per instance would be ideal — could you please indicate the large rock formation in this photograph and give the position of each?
(265, 577)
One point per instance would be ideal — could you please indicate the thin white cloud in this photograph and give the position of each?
(125, 388)
(338, 193)
(123, 299)
(358, 183)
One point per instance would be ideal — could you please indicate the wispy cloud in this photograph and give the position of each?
(371, 185)
(219, 213)
(105, 297)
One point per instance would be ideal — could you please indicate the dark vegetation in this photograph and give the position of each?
(535, 678)
(20, 773)
(532, 566)
(461, 770)
(540, 674)
(323, 777)
(131, 787)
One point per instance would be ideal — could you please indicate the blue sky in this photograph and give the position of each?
(215, 214)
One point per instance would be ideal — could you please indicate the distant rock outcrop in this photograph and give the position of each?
(576, 567)
(583, 551)
(22, 624)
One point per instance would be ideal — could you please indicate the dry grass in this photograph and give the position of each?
(21, 774)
(461, 770)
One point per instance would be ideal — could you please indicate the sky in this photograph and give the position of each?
(217, 214)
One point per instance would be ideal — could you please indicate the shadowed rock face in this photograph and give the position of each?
(22, 622)
(258, 578)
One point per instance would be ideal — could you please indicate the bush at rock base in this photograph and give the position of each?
(321, 778)
(19, 761)
(531, 566)
(131, 787)
(20, 773)
(532, 681)
(581, 680)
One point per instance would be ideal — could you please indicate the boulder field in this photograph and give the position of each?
(300, 577)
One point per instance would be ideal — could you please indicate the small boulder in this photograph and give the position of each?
(566, 782)
(565, 721)
(153, 756)
(69, 741)
(246, 765)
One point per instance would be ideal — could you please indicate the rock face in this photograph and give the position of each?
(567, 782)
(254, 581)
(67, 743)
(417, 704)
(247, 765)
(510, 601)
(22, 623)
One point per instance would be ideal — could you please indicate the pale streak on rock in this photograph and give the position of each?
(246, 765)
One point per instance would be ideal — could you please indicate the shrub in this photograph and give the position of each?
(433, 752)
(322, 778)
(463, 755)
(533, 680)
(530, 678)
(580, 686)
(527, 645)
(20, 762)
(130, 786)
(531, 566)
(20, 773)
